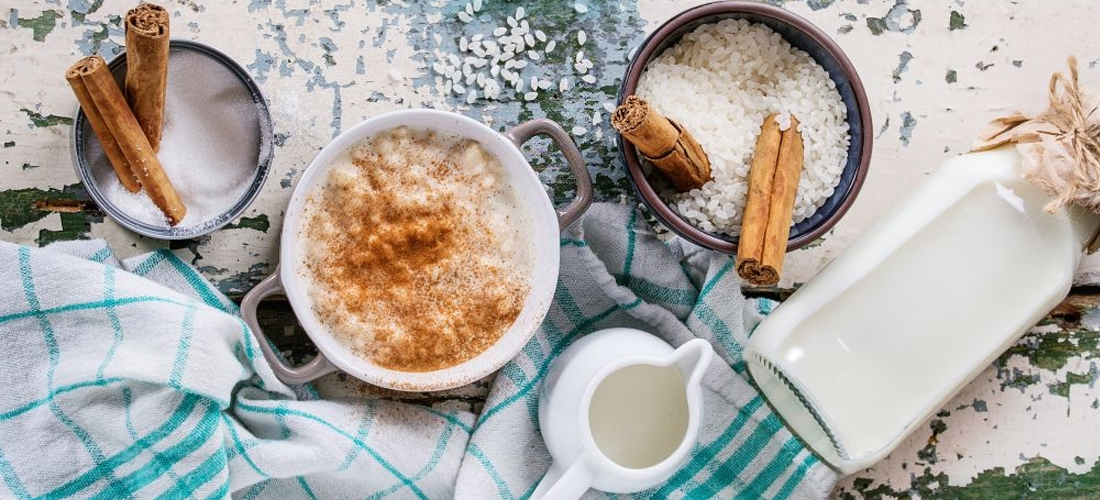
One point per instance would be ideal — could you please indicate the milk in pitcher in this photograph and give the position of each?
(639, 415)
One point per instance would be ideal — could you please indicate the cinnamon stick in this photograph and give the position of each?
(106, 97)
(147, 67)
(754, 221)
(769, 209)
(664, 142)
(784, 189)
(106, 140)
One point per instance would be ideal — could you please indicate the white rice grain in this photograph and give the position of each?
(690, 82)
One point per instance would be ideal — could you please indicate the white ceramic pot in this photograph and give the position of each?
(545, 231)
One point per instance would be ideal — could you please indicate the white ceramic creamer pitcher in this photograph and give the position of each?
(620, 411)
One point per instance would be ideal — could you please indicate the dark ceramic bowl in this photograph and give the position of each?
(801, 35)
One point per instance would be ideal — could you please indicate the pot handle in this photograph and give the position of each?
(542, 126)
(290, 375)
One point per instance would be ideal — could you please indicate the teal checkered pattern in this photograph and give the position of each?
(616, 272)
(137, 379)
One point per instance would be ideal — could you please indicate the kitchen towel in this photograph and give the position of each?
(616, 272)
(137, 379)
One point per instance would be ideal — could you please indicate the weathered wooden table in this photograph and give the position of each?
(936, 71)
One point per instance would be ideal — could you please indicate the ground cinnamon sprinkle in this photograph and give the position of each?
(415, 250)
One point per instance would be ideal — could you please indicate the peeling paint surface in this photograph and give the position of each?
(935, 71)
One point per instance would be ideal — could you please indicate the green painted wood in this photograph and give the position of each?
(323, 68)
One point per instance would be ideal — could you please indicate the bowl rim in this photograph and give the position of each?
(78, 137)
(646, 51)
(543, 230)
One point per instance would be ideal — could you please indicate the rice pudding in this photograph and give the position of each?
(416, 249)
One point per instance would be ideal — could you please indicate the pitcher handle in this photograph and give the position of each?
(290, 375)
(564, 483)
(542, 126)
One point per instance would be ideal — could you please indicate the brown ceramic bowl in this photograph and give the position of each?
(801, 35)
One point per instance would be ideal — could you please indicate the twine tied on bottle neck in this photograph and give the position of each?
(1060, 146)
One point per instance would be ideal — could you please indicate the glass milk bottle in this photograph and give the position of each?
(916, 307)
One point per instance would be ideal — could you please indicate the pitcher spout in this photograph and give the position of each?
(692, 359)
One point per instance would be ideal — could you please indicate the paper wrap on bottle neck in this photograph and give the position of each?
(1060, 146)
